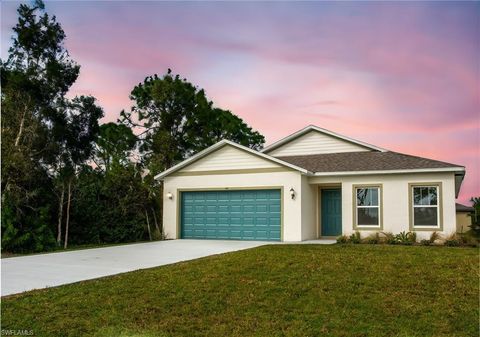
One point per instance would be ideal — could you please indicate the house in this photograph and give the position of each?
(312, 184)
(464, 217)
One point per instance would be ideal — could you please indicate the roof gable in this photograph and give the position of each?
(230, 158)
(202, 154)
(315, 140)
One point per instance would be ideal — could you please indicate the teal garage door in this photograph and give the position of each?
(235, 215)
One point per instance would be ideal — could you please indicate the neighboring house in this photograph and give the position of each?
(312, 184)
(464, 217)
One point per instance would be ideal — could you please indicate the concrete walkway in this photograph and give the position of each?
(48, 270)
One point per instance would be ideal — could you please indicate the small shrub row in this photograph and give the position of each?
(409, 238)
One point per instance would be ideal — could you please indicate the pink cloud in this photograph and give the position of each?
(404, 76)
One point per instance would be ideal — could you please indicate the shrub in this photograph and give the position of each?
(452, 240)
(412, 237)
(468, 239)
(404, 238)
(389, 238)
(434, 237)
(355, 238)
(425, 242)
(475, 227)
(452, 243)
(342, 239)
(372, 239)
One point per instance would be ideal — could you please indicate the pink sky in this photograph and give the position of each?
(403, 76)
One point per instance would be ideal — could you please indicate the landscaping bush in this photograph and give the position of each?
(410, 238)
(468, 239)
(372, 239)
(406, 238)
(389, 238)
(452, 240)
(434, 237)
(425, 242)
(355, 238)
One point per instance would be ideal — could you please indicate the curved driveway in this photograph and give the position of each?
(48, 270)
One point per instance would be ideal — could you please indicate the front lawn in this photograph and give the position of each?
(277, 290)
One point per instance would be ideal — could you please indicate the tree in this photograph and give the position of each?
(476, 217)
(176, 119)
(35, 78)
(44, 135)
(109, 206)
(114, 146)
(76, 143)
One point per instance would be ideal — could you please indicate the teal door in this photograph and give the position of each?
(331, 212)
(236, 215)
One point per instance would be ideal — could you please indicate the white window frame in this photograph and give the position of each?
(356, 206)
(437, 206)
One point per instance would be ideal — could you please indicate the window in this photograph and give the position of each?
(425, 206)
(367, 206)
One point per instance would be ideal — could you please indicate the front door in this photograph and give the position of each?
(331, 212)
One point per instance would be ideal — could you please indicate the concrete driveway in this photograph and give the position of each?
(48, 270)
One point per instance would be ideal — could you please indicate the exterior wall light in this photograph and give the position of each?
(292, 193)
(169, 195)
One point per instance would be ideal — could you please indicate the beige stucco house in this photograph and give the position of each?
(312, 184)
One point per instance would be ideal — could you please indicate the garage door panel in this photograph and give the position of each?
(240, 215)
(274, 208)
(275, 233)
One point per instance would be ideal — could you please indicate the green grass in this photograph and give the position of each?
(277, 290)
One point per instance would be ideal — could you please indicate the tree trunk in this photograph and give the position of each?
(22, 123)
(60, 216)
(68, 212)
(7, 186)
(148, 226)
(156, 223)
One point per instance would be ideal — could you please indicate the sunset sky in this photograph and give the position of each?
(403, 76)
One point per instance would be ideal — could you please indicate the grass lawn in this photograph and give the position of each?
(277, 290)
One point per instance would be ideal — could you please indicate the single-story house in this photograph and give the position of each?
(464, 217)
(312, 184)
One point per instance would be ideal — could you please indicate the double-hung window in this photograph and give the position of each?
(425, 206)
(367, 207)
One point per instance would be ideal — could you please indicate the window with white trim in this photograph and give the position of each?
(367, 207)
(425, 206)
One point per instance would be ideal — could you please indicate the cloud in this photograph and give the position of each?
(404, 76)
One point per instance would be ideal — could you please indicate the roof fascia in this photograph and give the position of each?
(457, 169)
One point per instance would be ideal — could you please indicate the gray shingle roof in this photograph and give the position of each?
(363, 161)
(463, 208)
